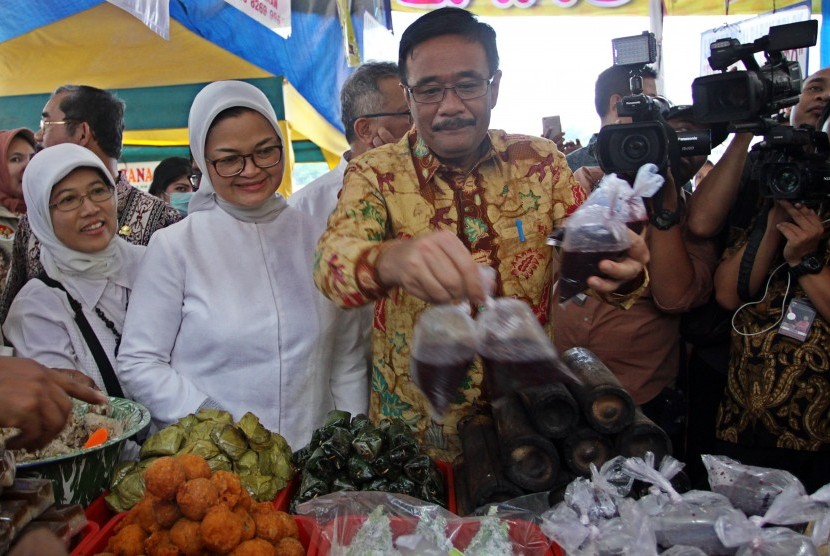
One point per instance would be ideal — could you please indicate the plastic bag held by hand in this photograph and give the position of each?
(596, 231)
(443, 348)
(517, 351)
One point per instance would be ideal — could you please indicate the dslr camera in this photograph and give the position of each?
(624, 148)
(793, 163)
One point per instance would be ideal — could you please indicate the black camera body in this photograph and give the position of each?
(791, 172)
(745, 98)
(624, 148)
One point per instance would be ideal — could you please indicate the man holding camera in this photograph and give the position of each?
(774, 408)
(416, 219)
(641, 346)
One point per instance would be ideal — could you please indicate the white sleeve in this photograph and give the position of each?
(152, 325)
(349, 370)
(37, 327)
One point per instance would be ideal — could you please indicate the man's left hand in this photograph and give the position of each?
(620, 273)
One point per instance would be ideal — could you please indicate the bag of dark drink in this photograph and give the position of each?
(749, 488)
(629, 199)
(791, 507)
(687, 519)
(594, 232)
(516, 350)
(443, 348)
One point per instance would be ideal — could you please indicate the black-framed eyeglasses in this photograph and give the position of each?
(98, 194)
(406, 113)
(466, 90)
(265, 157)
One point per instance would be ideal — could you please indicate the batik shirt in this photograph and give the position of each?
(778, 389)
(403, 191)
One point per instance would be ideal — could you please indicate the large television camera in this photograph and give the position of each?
(624, 148)
(745, 99)
(792, 163)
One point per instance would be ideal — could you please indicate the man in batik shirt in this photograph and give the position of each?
(416, 218)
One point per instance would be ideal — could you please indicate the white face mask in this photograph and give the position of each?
(179, 201)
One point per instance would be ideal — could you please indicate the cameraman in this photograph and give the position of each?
(611, 86)
(714, 201)
(641, 345)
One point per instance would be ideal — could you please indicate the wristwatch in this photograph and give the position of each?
(810, 264)
(665, 219)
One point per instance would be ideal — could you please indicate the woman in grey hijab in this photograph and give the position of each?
(224, 312)
(72, 316)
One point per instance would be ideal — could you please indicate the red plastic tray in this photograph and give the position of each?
(284, 496)
(86, 535)
(523, 533)
(306, 526)
(98, 512)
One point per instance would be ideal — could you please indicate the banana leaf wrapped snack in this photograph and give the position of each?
(349, 454)
(261, 458)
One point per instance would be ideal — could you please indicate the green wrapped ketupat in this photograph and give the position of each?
(385, 457)
(230, 440)
(258, 436)
(166, 442)
(247, 448)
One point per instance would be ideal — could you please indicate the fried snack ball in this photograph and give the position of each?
(221, 530)
(245, 500)
(254, 547)
(230, 487)
(248, 524)
(128, 542)
(289, 546)
(194, 466)
(186, 535)
(159, 544)
(196, 497)
(166, 512)
(273, 525)
(164, 477)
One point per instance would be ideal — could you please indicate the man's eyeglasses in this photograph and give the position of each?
(406, 113)
(44, 123)
(466, 90)
(233, 165)
(97, 194)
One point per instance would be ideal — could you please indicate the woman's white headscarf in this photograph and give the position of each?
(210, 101)
(113, 264)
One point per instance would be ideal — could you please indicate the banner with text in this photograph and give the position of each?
(273, 14)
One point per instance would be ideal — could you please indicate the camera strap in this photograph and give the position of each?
(748, 259)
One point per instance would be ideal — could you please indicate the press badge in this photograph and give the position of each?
(798, 320)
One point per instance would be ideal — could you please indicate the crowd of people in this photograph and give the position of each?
(242, 300)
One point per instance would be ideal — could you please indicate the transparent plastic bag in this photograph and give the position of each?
(379, 523)
(595, 231)
(443, 348)
(749, 488)
(629, 199)
(516, 350)
(687, 519)
(791, 507)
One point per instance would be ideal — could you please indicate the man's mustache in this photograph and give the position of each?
(455, 123)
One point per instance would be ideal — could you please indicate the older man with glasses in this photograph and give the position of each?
(416, 219)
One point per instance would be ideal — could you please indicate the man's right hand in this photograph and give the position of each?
(435, 267)
(37, 400)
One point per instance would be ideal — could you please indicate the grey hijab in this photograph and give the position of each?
(210, 101)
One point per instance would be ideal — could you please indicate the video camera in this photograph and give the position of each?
(624, 148)
(793, 162)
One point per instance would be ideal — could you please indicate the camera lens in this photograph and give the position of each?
(635, 147)
(785, 182)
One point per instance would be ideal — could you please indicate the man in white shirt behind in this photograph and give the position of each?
(374, 112)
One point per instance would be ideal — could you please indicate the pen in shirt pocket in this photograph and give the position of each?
(521, 231)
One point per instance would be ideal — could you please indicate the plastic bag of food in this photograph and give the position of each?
(7, 468)
(594, 232)
(516, 350)
(749, 488)
(443, 348)
(687, 519)
(791, 507)
(389, 524)
(629, 199)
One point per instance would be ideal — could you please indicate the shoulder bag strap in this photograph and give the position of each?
(107, 372)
